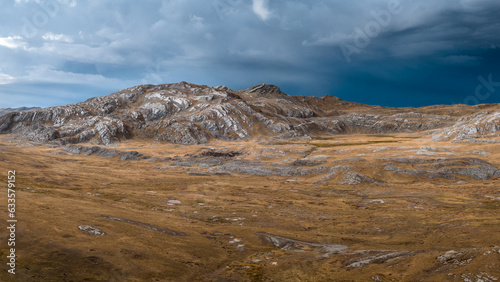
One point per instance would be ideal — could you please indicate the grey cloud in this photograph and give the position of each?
(239, 43)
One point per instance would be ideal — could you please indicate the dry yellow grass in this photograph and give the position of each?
(57, 192)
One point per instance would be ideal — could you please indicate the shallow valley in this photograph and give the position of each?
(358, 207)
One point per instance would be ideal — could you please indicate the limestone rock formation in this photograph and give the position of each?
(482, 127)
(186, 113)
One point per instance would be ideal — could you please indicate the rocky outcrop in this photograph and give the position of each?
(103, 152)
(353, 178)
(256, 168)
(284, 243)
(452, 168)
(363, 258)
(482, 127)
(90, 230)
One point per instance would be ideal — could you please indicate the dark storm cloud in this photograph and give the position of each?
(417, 52)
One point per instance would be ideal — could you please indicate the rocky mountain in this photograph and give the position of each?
(10, 110)
(191, 114)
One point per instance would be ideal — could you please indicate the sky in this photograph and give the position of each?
(380, 52)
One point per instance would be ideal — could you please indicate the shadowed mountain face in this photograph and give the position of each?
(191, 114)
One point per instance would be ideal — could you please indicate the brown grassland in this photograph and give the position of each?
(393, 230)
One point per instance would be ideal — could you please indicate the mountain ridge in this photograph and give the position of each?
(4, 111)
(187, 113)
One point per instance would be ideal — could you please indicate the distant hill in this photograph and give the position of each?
(10, 110)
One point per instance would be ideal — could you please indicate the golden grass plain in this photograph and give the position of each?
(221, 214)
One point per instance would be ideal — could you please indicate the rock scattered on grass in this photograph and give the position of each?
(353, 178)
(481, 153)
(173, 202)
(284, 243)
(90, 230)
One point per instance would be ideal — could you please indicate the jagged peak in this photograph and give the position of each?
(134, 89)
(331, 98)
(221, 88)
(264, 89)
(181, 85)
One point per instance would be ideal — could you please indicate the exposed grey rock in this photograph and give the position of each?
(446, 168)
(369, 257)
(103, 152)
(356, 159)
(284, 243)
(197, 174)
(174, 202)
(87, 151)
(482, 127)
(144, 225)
(459, 257)
(132, 155)
(221, 173)
(221, 153)
(334, 171)
(254, 168)
(448, 256)
(353, 178)
(108, 153)
(307, 162)
(73, 149)
(481, 153)
(92, 231)
(408, 122)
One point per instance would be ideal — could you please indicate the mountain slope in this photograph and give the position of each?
(191, 114)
